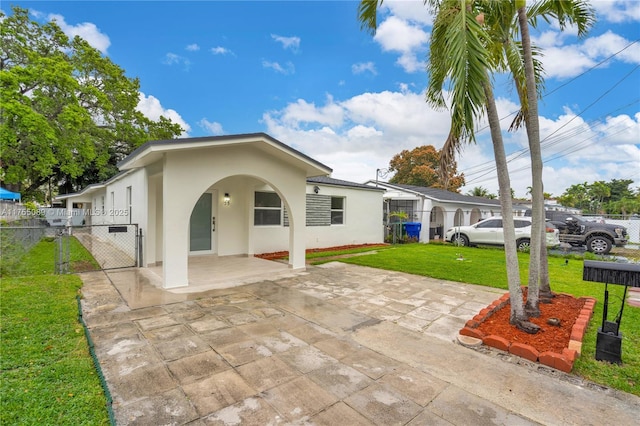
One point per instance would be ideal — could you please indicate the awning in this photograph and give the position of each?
(5, 194)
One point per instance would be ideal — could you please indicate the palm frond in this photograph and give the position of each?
(368, 15)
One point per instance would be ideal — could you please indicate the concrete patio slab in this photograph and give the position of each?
(294, 350)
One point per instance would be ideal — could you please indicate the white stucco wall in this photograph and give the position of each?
(363, 222)
(187, 174)
(363, 219)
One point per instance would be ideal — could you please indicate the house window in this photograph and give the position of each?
(102, 204)
(267, 209)
(337, 210)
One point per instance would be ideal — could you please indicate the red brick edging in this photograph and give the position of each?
(562, 362)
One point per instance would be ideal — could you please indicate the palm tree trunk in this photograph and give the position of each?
(518, 315)
(537, 198)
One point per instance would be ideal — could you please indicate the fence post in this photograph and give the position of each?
(139, 248)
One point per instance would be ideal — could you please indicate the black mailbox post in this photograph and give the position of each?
(609, 340)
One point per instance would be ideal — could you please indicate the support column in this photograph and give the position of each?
(175, 244)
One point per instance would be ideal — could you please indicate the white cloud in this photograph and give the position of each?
(85, 30)
(150, 106)
(219, 50)
(287, 69)
(193, 47)
(363, 67)
(213, 128)
(610, 43)
(397, 35)
(360, 134)
(618, 11)
(292, 43)
(573, 151)
(412, 10)
(566, 61)
(174, 59)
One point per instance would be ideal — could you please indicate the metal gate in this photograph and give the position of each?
(112, 246)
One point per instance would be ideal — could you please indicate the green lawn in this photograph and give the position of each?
(48, 376)
(486, 267)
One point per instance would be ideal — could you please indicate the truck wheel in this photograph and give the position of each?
(460, 240)
(524, 245)
(599, 245)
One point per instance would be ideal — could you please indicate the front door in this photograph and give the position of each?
(202, 226)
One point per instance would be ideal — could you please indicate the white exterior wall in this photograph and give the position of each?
(363, 222)
(188, 174)
(117, 209)
(363, 219)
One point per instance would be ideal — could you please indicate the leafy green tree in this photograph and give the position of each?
(625, 206)
(598, 192)
(67, 113)
(420, 167)
(577, 196)
(619, 189)
(612, 197)
(480, 191)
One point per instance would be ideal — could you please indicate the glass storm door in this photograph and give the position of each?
(201, 225)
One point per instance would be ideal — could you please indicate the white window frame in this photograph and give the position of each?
(257, 208)
(341, 210)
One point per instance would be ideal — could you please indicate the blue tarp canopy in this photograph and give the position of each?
(5, 194)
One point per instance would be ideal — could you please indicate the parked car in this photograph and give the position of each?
(489, 232)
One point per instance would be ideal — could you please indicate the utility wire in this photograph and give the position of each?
(525, 150)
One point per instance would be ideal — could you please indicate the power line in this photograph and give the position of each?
(546, 140)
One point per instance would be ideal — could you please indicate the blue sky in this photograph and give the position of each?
(306, 74)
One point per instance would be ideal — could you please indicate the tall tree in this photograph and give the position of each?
(421, 167)
(481, 191)
(563, 12)
(466, 54)
(67, 113)
(459, 54)
(599, 192)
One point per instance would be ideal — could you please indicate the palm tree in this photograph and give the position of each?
(458, 52)
(470, 39)
(581, 14)
(480, 191)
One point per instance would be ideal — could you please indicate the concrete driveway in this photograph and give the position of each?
(335, 345)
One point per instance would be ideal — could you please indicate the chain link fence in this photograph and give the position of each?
(110, 246)
(17, 238)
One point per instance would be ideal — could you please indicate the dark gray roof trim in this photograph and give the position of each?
(443, 195)
(204, 139)
(325, 180)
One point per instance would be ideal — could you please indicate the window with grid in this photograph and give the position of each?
(337, 210)
(267, 209)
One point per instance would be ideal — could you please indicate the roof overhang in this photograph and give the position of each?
(86, 194)
(153, 151)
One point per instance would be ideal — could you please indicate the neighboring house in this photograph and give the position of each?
(436, 209)
(230, 195)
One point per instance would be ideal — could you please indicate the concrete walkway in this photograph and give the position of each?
(335, 345)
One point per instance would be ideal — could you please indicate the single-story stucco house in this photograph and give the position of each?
(436, 209)
(230, 195)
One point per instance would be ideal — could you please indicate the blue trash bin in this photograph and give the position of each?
(413, 229)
